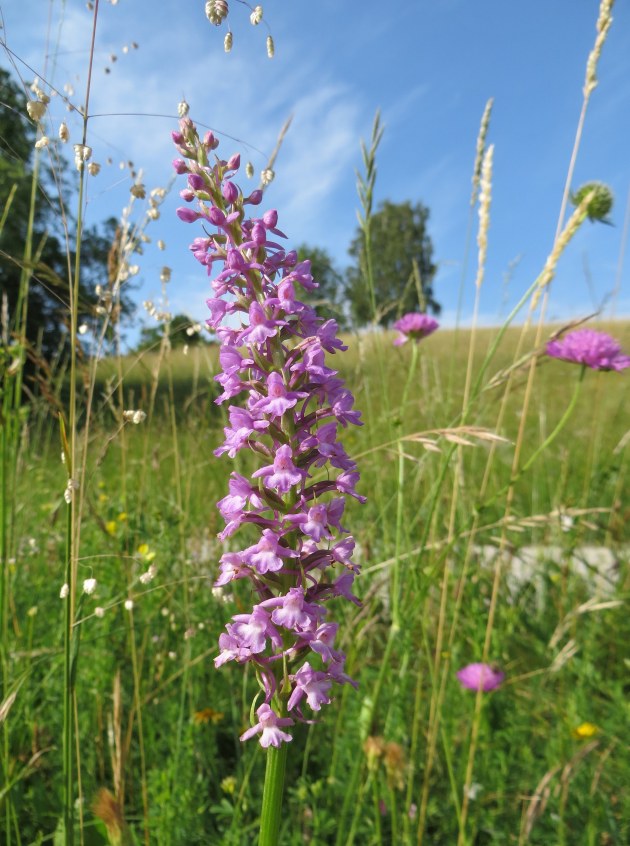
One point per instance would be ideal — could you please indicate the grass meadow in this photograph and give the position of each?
(157, 754)
(495, 530)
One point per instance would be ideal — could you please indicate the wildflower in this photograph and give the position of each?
(480, 676)
(269, 728)
(294, 406)
(415, 326)
(128, 604)
(228, 785)
(596, 350)
(207, 715)
(99, 612)
(65, 590)
(111, 527)
(83, 328)
(89, 586)
(585, 730)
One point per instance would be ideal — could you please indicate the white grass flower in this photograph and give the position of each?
(172, 655)
(150, 574)
(228, 41)
(65, 590)
(249, 170)
(64, 132)
(267, 176)
(216, 11)
(128, 604)
(271, 48)
(161, 245)
(99, 612)
(183, 108)
(42, 142)
(71, 487)
(83, 329)
(153, 213)
(89, 586)
(256, 16)
(82, 154)
(36, 109)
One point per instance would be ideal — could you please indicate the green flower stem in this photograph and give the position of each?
(271, 813)
(558, 429)
(546, 443)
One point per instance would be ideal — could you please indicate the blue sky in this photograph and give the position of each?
(429, 66)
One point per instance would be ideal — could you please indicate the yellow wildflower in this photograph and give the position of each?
(207, 715)
(585, 730)
(122, 517)
(110, 527)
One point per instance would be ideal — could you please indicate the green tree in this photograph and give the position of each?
(329, 298)
(47, 316)
(401, 261)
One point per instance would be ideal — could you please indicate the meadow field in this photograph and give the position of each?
(298, 579)
(157, 726)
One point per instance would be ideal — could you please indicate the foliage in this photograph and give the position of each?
(401, 265)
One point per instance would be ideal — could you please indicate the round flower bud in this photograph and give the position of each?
(601, 202)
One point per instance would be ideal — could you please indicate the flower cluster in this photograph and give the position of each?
(291, 408)
(415, 326)
(596, 350)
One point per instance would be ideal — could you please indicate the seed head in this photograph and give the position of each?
(64, 133)
(271, 49)
(249, 170)
(138, 191)
(65, 590)
(227, 42)
(217, 11)
(183, 108)
(94, 169)
(36, 109)
(89, 586)
(256, 16)
(42, 142)
(165, 274)
(267, 176)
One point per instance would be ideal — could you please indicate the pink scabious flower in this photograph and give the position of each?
(415, 326)
(596, 350)
(480, 676)
(290, 409)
